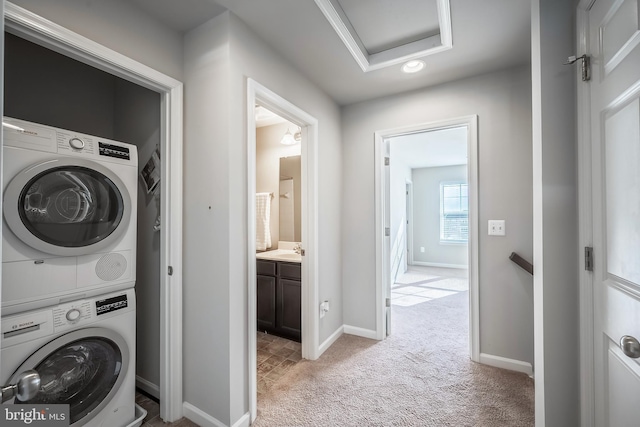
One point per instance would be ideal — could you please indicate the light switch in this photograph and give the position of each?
(497, 227)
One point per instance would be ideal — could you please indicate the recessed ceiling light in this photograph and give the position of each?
(413, 66)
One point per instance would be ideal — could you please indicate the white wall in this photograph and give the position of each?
(118, 25)
(502, 101)
(426, 216)
(555, 215)
(219, 56)
(268, 154)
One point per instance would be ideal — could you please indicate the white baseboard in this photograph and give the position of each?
(437, 264)
(148, 387)
(200, 417)
(504, 363)
(327, 343)
(360, 332)
(205, 420)
(244, 421)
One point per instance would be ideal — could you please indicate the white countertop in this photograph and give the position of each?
(287, 255)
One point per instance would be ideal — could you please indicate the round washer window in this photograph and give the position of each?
(70, 206)
(80, 374)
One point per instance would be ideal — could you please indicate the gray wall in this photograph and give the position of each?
(219, 56)
(502, 101)
(137, 121)
(118, 25)
(426, 216)
(555, 215)
(46, 87)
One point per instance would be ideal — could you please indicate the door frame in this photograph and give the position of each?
(585, 222)
(50, 35)
(409, 218)
(382, 264)
(259, 94)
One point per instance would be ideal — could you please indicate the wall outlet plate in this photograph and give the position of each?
(497, 227)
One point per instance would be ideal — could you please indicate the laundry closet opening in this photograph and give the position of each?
(48, 88)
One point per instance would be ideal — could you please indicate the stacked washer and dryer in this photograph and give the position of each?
(68, 270)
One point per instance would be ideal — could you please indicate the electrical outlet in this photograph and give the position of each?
(422, 249)
(324, 308)
(497, 227)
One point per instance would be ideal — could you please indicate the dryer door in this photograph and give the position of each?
(67, 207)
(83, 369)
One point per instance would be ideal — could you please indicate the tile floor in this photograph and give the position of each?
(421, 284)
(275, 357)
(153, 413)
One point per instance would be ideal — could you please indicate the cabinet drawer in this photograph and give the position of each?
(290, 271)
(266, 268)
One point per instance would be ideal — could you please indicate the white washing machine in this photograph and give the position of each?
(69, 223)
(84, 352)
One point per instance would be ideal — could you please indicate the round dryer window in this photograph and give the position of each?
(83, 369)
(70, 207)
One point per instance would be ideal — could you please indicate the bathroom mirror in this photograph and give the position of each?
(290, 199)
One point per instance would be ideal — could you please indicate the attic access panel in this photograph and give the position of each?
(379, 33)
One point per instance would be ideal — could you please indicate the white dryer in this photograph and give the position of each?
(69, 223)
(84, 352)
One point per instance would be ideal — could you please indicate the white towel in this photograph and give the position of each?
(263, 214)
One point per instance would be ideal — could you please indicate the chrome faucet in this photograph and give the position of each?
(297, 248)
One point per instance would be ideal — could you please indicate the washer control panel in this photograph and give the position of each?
(67, 315)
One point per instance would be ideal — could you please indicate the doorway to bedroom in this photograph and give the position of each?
(428, 233)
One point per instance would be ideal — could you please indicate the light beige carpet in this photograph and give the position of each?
(420, 376)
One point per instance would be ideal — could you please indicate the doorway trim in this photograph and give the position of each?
(259, 94)
(43, 32)
(585, 222)
(409, 226)
(381, 205)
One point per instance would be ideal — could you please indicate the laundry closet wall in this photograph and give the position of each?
(45, 87)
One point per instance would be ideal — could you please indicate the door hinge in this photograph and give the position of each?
(388, 302)
(588, 258)
(387, 231)
(170, 271)
(386, 161)
(586, 65)
(302, 252)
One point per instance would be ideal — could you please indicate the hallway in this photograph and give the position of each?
(420, 376)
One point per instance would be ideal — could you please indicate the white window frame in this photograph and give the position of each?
(444, 184)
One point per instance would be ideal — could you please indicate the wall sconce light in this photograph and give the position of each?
(291, 139)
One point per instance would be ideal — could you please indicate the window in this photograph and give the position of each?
(454, 213)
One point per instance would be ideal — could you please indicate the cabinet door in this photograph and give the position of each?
(266, 302)
(289, 301)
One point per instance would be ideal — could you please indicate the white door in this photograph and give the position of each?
(614, 35)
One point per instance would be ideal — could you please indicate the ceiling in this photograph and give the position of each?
(443, 147)
(384, 24)
(487, 35)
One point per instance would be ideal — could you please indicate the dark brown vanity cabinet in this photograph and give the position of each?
(279, 298)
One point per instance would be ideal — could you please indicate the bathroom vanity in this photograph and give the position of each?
(279, 297)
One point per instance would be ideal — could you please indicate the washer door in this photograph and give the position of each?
(67, 207)
(83, 369)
